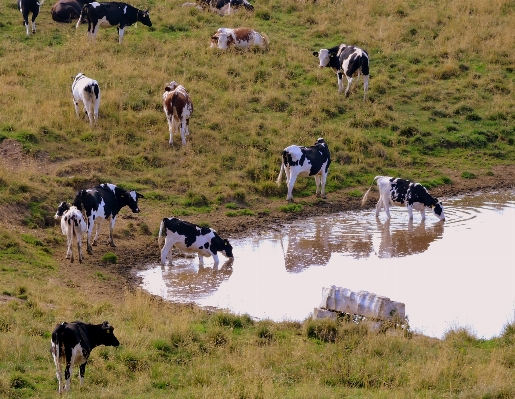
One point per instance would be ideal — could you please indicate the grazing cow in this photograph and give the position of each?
(73, 343)
(402, 192)
(178, 109)
(29, 6)
(223, 7)
(67, 10)
(104, 202)
(72, 222)
(239, 38)
(111, 14)
(345, 60)
(86, 90)
(305, 161)
(190, 238)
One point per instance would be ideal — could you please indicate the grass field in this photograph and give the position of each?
(440, 100)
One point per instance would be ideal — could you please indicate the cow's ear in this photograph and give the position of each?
(315, 53)
(138, 195)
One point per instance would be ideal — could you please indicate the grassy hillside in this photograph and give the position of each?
(440, 105)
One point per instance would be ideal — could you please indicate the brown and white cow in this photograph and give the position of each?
(222, 7)
(239, 38)
(178, 109)
(67, 10)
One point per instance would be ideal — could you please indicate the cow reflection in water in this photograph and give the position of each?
(403, 242)
(314, 245)
(183, 279)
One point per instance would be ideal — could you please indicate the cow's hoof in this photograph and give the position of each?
(94, 244)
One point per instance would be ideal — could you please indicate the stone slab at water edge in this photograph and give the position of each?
(362, 303)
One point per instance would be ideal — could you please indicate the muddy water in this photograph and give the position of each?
(457, 273)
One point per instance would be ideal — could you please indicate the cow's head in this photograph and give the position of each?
(107, 337)
(171, 86)
(129, 198)
(214, 40)
(437, 207)
(144, 18)
(323, 56)
(63, 207)
(227, 249)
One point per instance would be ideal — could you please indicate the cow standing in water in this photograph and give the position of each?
(402, 192)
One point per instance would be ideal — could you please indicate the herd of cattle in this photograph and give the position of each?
(73, 342)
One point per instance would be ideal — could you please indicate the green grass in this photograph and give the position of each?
(440, 100)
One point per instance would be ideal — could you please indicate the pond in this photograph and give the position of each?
(457, 273)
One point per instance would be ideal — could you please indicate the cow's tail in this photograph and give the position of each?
(278, 181)
(81, 14)
(160, 235)
(366, 194)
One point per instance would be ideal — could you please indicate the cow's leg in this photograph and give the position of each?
(349, 83)
(34, 15)
(88, 108)
(71, 227)
(340, 82)
(410, 211)
(365, 86)
(58, 374)
(97, 232)
(215, 258)
(183, 130)
(76, 105)
(97, 105)
(200, 259)
(90, 230)
(164, 252)
(68, 370)
(323, 179)
(79, 243)
(423, 214)
(386, 204)
(170, 129)
(120, 35)
(291, 183)
(187, 132)
(82, 371)
(379, 205)
(111, 228)
(318, 182)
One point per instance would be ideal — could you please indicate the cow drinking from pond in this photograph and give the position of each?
(190, 238)
(104, 202)
(178, 109)
(72, 223)
(402, 192)
(305, 161)
(345, 60)
(27, 7)
(73, 343)
(111, 14)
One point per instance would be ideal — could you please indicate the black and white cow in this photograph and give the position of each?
(67, 10)
(345, 60)
(402, 192)
(86, 91)
(190, 238)
(305, 161)
(29, 6)
(223, 7)
(72, 344)
(72, 222)
(111, 14)
(104, 202)
(178, 109)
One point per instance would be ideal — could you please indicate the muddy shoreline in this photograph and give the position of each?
(136, 250)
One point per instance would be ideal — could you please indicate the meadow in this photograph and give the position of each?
(440, 111)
